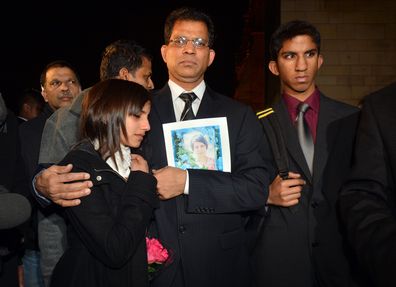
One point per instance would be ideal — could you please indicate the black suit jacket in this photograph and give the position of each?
(368, 199)
(301, 245)
(206, 229)
(30, 133)
(12, 177)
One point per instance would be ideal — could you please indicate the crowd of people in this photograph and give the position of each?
(86, 183)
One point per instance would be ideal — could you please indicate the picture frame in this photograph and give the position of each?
(198, 144)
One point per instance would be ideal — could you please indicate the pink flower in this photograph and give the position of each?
(156, 256)
(156, 253)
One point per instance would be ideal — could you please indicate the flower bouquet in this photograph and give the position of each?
(157, 255)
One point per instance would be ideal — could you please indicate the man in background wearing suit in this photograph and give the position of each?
(203, 212)
(60, 84)
(368, 198)
(30, 105)
(13, 191)
(299, 243)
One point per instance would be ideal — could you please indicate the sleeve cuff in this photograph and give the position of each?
(186, 191)
(43, 201)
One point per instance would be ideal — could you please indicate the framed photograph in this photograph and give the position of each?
(198, 144)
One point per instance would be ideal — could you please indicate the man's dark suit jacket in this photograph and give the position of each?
(30, 133)
(30, 136)
(368, 199)
(12, 178)
(205, 229)
(301, 245)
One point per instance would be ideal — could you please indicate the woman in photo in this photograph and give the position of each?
(199, 146)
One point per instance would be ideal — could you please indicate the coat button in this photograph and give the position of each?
(315, 244)
(314, 204)
(182, 229)
(98, 178)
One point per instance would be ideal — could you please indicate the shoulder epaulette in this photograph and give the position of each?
(270, 122)
(264, 113)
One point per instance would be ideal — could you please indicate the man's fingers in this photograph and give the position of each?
(74, 176)
(135, 156)
(68, 203)
(291, 195)
(60, 168)
(71, 188)
(64, 192)
(291, 199)
(293, 175)
(70, 198)
(74, 195)
(291, 203)
(293, 182)
(295, 189)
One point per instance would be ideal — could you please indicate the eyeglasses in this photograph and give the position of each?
(182, 41)
(54, 84)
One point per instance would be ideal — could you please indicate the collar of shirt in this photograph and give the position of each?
(311, 115)
(178, 104)
(123, 164)
(292, 103)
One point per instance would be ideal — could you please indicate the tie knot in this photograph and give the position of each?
(188, 97)
(302, 107)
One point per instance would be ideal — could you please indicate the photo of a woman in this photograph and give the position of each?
(198, 144)
(199, 147)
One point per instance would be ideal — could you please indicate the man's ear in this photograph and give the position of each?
(44, 94)
(163, 52)
(123, 73)
(212, 55)
(273, 67)
(320, 61)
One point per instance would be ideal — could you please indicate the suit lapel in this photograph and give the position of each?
(208, 106)
(163, 105)
(321, 152)
(290, 134)
(325, 137)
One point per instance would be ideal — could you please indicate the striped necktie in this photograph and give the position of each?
(187, 113)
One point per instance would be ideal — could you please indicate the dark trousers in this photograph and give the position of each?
(9, 270)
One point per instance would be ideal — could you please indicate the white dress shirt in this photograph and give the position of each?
(178, 106)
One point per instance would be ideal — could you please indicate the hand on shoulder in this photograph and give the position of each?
(62, 186)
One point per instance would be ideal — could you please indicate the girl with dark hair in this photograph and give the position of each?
(106, 232)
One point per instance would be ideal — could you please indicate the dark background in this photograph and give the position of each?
(34, 34)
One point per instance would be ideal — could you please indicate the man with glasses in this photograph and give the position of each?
(182, 41)
(202, 213)
(60, 84)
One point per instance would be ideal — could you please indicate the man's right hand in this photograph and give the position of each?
(63, 187)
(286, 192)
